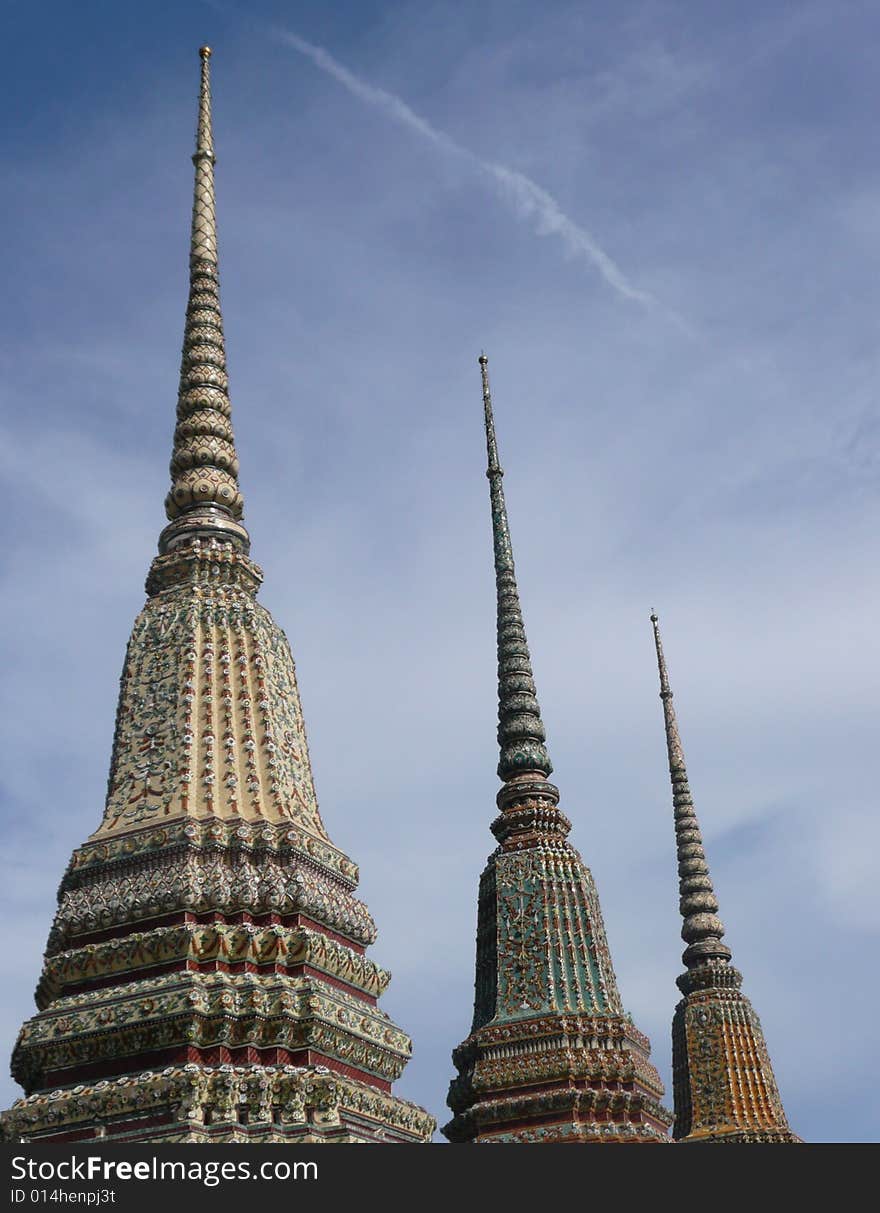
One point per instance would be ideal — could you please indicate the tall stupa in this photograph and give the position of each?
(552, 1056)
(206, 976)
(723, 1082)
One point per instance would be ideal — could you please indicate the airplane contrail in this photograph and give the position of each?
(529, 200)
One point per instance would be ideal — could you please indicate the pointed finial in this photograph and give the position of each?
(702, 929)
(521, 735)
(204, 234)
(494, 468)
(204, 498)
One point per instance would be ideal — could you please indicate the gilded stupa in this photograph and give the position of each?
(206, 976)
(723, 1083)
(552, 1056)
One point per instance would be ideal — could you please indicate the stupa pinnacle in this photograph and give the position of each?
(551, 1056)
(206, 976)
(204, 497)
(723, 1083)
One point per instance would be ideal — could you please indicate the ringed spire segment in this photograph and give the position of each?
(204, 499)
(521, 734)
(702, 929)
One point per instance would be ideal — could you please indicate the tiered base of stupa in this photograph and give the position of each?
(552, 1056)
(208, 981)
(725, 1089)
(226, 1103)
(571, 1078)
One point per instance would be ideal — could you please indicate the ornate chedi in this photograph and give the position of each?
(552, 1056)
(723, 1083)
(205, 977)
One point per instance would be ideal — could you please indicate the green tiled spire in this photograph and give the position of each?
(521, 733)
(551, 1055)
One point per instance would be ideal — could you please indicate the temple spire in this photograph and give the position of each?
(211, 883)
(723, 1081)
(702, 929)
(204, 499)
(521, 735)
(552, 1055)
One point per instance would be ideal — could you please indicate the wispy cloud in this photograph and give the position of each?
(530, 201)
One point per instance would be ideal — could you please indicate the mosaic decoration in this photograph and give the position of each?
(225, 1103)
(552, 1056)
(205, 977)
(723, 1083)
(209, 721)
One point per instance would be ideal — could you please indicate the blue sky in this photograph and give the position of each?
(694, 429)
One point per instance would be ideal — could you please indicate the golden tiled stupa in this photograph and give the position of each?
(723, 1080)
(206, 976)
